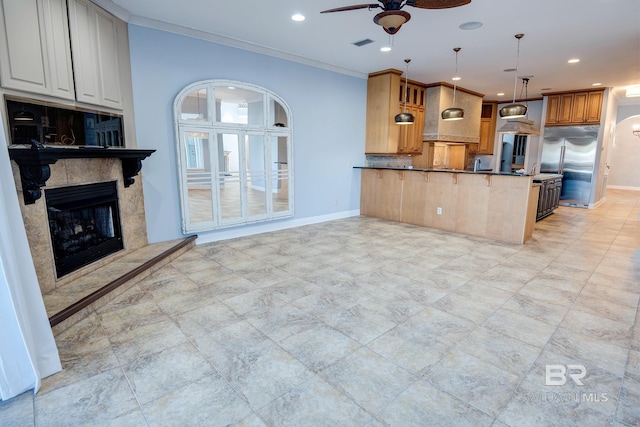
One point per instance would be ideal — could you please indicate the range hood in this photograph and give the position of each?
(519, 126)
(439, 97)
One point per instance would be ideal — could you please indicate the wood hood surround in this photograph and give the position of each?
(439, 97)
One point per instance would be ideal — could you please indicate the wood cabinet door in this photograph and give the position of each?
(381, 193)
(35, 54)
(382, 105)
(410, 136)
(579, 107)
(418, 131)
(94, 40)
(487, 136)
(594, 107)
(553, 109)
(107, 50)
(565, 108)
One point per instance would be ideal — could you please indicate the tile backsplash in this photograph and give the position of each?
(388, 161)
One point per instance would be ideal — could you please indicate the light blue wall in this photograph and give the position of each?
(328, 121)
(626, 111)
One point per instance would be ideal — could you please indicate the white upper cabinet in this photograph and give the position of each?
(94, 41)
(35, 53)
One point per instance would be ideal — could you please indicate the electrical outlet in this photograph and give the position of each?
(439, 210)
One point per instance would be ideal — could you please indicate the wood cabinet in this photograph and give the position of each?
(487, 128)
(386, 94)
(381, 193)
(94, 40)
(549, 198)
(493, 206)
(35, 54)
(75, 51)
(574, 108)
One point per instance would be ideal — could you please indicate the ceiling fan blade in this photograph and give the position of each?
(437, 4)
(354, 7)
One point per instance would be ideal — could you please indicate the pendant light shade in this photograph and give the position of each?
(405, 118)
(513, 110)
(454, 113)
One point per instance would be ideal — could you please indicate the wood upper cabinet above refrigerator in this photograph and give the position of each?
(35, 54)
(94, 40)
(574, 108)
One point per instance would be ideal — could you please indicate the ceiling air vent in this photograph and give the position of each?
(362, 42)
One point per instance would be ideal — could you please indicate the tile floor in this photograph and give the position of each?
(364, 322)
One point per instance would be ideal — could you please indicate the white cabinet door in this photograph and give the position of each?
(35, 54)
(94, 41)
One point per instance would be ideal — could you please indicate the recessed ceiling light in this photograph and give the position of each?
(385, 49)
(500, 93)
(573, 61)
(298, 17)
(231, 87)
(455, 79)
(596, 84)
(471, 25)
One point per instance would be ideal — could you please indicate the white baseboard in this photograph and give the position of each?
(622, 187)
(272, 226)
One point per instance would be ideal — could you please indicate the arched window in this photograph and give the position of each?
(234, 151)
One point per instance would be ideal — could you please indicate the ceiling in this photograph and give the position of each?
(603, 34)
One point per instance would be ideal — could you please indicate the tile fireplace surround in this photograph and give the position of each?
(79, 171)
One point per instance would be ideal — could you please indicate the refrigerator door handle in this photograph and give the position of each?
(561, 165)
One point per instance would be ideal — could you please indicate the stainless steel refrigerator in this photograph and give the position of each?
(571, 151)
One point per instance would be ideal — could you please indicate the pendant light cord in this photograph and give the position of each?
(406, 86)
(515, 80)
(455, 82)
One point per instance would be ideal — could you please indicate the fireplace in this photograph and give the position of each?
(84, 223)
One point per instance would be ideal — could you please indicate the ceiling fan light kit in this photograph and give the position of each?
(392, 18)
(454, 113)
(513, 110)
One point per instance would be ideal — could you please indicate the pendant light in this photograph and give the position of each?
(405, 118)
(454, 113)
(514, 110)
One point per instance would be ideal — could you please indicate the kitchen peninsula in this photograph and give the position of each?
(492, 205)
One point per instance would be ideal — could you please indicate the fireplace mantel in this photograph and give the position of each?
(34, 160)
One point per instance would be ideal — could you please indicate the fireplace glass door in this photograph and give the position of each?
(84, 223)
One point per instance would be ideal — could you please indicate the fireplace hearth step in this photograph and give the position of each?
(75, 300)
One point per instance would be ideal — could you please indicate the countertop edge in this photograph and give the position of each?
(444, 171)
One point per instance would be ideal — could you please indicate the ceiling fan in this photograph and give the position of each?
(392, 17)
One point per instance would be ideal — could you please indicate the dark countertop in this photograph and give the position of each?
(444, 170)
(545, 176)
